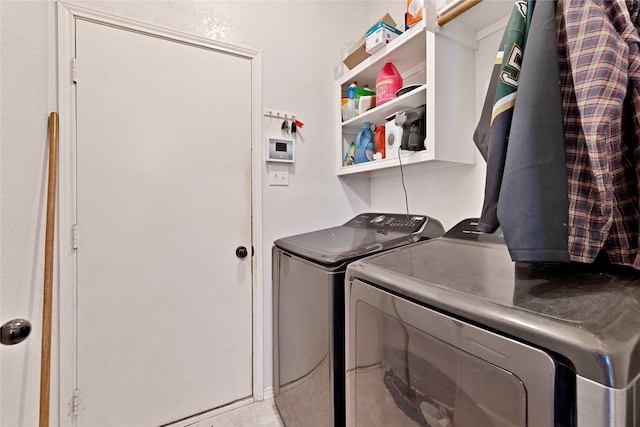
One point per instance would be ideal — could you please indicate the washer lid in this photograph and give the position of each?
(587, 313)
(363, 235)
(341, 244)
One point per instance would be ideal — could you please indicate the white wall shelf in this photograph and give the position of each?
(442, 60)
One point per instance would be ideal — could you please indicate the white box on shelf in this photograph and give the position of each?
(379, 35)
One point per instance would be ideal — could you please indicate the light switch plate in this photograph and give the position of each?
(278, 178)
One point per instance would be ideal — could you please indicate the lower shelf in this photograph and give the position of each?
(407, 158)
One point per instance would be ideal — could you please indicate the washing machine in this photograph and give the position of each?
(308, 310)
(451, 332)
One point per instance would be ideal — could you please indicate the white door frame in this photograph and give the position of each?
(67, 260)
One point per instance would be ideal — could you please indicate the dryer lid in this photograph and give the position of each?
(588, 313)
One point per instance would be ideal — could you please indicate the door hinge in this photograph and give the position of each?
(74, 236)
(74, 70)
(74, 403)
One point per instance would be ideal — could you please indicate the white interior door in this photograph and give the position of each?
(163, 200)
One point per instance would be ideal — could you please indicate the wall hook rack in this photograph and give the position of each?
(282, 115)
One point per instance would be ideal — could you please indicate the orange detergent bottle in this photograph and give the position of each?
(381, 143)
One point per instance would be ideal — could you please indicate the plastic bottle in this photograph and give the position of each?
(381, 143)
(351, 101)
(350, 154)
(387, 83)
(365, 144)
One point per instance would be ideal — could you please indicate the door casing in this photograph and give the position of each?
(66, 254)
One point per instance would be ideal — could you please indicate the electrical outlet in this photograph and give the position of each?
(278, 178)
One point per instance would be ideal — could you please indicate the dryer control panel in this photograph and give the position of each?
(467, 229)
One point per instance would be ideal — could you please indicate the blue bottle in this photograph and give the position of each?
(365, 144)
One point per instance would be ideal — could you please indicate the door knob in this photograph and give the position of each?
(14, 331)
(241, 252)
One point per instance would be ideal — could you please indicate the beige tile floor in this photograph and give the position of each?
(258, 414)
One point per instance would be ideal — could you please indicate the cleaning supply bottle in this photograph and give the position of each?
(350, 154)
(381, 143)
(365, 144)
(387, 84)
(351, 102)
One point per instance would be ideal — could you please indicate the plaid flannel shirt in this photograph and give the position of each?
(600, 79)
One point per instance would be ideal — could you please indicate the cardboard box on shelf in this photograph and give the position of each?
(359, 52)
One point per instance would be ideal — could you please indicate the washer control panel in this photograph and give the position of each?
(397, 223)
(467, 230)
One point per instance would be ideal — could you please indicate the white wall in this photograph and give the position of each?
(448, 195)
(27, 95)
(301, 42)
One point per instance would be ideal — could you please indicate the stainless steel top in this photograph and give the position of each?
(363, 235)
(589, 314)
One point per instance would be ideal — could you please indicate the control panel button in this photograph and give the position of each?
(379, 220)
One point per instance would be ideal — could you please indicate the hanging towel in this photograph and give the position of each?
(533, 203)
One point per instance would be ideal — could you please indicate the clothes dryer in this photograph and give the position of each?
(451, 332)
(308, 310)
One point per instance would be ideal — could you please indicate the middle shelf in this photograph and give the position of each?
(379, 114)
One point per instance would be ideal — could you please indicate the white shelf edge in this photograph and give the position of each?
(430, 164)
(408, 158)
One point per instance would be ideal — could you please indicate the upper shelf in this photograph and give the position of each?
(399, 51)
